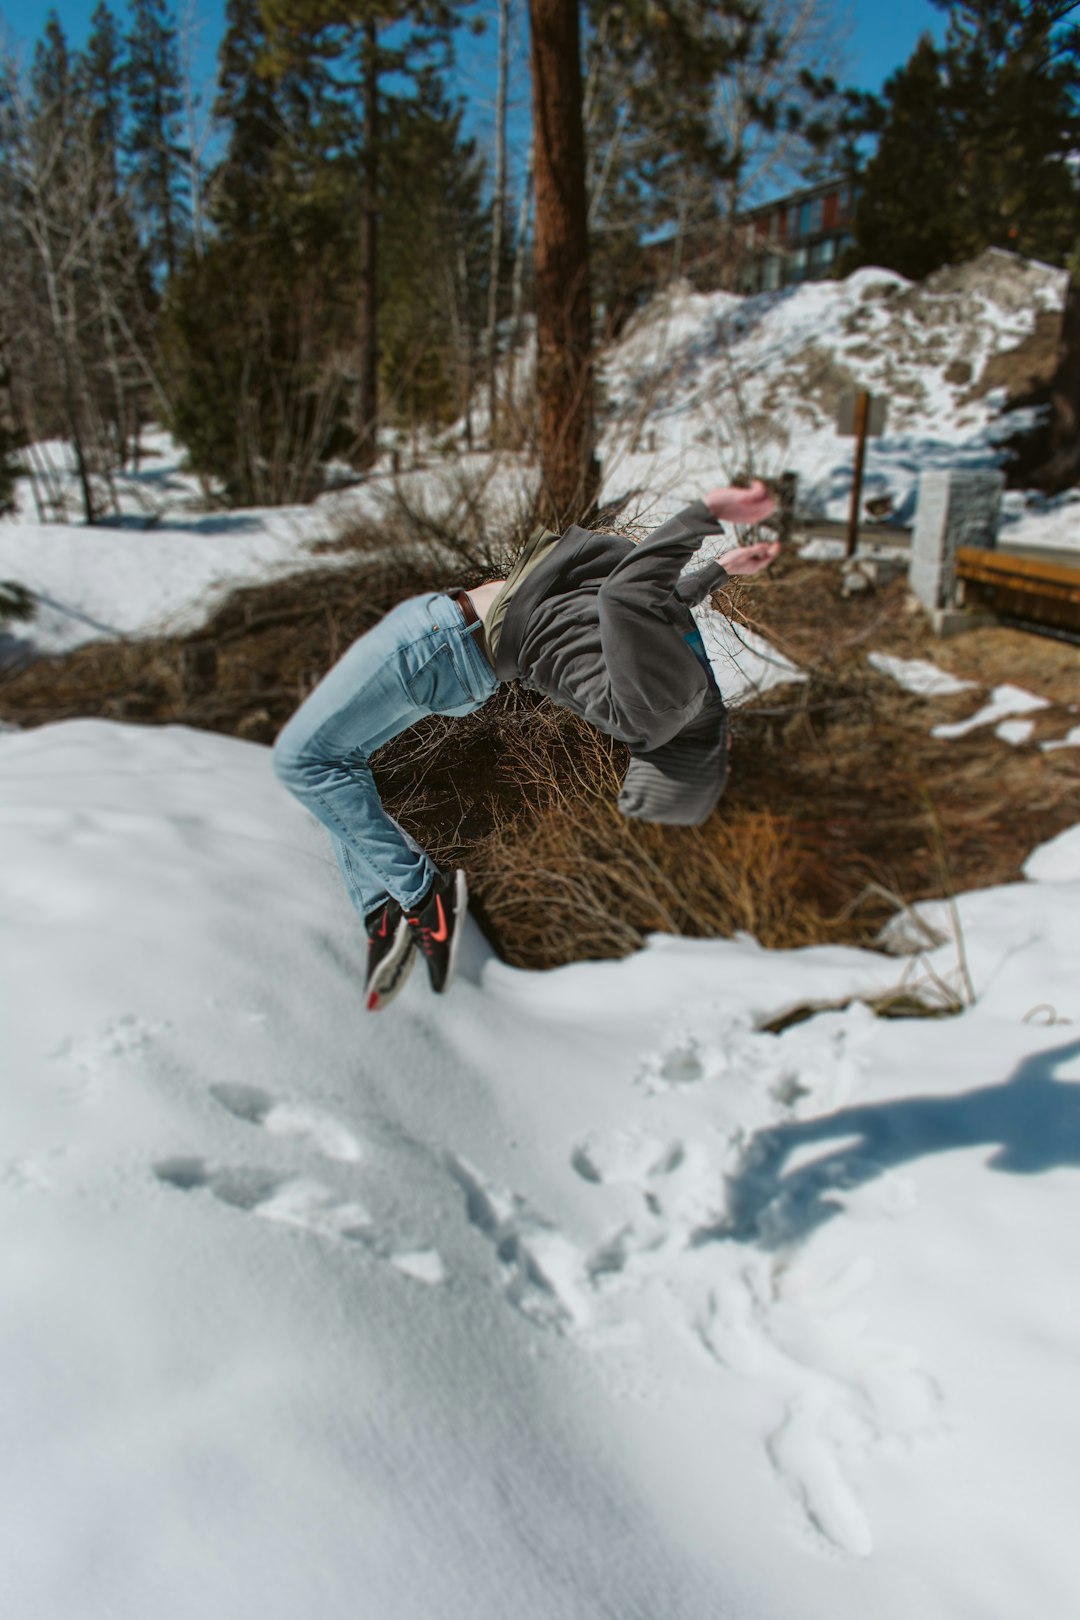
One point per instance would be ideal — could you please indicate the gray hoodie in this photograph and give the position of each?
(603, 627)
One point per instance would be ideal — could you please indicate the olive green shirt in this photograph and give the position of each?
(535, 549)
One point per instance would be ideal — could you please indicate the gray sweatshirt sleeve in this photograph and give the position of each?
(657, 685)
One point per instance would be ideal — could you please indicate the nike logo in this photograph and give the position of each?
(440, 933)
(382, 930)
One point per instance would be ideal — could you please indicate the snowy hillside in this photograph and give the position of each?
(700, 387)
(712, 379)
(571, 1295)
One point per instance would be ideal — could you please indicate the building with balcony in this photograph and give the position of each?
(800, 237)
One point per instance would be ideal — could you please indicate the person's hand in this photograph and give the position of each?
(750, 505)
(745, 560)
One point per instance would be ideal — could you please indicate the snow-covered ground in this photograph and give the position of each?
(164, 565)
(573, 1294)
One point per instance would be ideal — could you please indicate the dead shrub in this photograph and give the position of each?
(523, 794)
(580, 882)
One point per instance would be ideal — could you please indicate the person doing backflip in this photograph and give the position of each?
(598, 623)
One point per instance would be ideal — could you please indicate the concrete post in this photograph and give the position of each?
(955, 508)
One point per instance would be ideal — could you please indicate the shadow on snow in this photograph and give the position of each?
(1032, 1119)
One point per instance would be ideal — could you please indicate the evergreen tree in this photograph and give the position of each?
(384, 43)
(257, 328)
(432, 306)
(1014, 83)
(54, 87)
(652, 163)
(121, 273)
(908, 214)
(52, 195)
(976, 141)
(103, 78)
(155, 147)
(260, 332)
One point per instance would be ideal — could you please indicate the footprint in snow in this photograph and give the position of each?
(257, 1107)
(681, 1066)
(290, 1200)
(544, 1275)
(625, 1156)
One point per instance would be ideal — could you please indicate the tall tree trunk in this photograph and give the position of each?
(1062, 467)
(367, 391)
(563, 314)
(498, 210)
(517, 289)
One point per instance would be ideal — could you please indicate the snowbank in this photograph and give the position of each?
(566, 1295)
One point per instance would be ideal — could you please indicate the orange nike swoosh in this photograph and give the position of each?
(441, 932)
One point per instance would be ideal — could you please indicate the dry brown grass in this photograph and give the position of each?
(839, 796)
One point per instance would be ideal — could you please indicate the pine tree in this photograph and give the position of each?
(155, 147)
(103, 77)
(432, 306)
(1014, 84)
(54, 86)
(254, 326)
(976, 141)
(53, 198)
(121, 277)
(652, 162)
(908, 214)
(384, 42)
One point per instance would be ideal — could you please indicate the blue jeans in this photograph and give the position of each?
(422, 658)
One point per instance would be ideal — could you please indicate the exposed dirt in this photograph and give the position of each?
(839, 796)
(1025, 369)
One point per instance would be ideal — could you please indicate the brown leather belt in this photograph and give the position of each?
(464, 602)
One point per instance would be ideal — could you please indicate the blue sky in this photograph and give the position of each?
(882, 35)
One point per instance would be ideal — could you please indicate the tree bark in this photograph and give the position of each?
(563, 307)
(498, 210)
(367, 391)
(1062, 467)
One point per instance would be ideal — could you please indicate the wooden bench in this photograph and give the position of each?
(1035, 588)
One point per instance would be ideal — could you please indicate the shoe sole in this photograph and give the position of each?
(389, 977)
(461, 905)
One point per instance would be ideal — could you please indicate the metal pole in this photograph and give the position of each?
(862, 418)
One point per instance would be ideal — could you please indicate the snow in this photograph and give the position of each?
(919, 675)
(164, 566)
(1057, 861)
(1005, 700)
(1071, 739)
(579, 1286)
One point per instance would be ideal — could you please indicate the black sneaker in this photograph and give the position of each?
(390, 954)
(436, 924)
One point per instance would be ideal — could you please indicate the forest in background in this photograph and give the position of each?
(316, 260)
